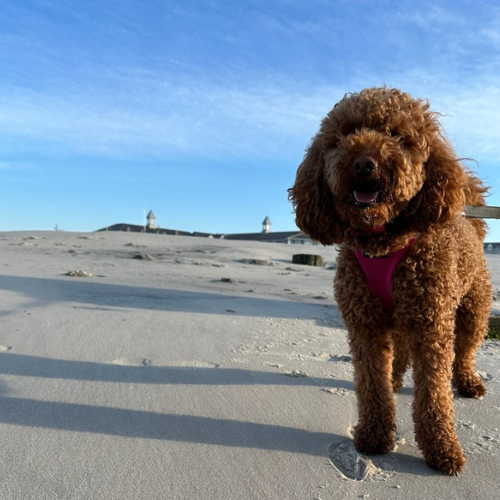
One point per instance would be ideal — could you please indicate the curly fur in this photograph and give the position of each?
(379, 173)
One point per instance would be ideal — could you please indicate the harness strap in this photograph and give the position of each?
(379, 271)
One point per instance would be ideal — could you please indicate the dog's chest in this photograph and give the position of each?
(379, 272)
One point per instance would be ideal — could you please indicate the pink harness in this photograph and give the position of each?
(379, 271)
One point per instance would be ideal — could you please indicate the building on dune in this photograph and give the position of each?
(266, 235)
(149, 227)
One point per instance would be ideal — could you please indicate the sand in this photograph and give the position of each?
(136, 366)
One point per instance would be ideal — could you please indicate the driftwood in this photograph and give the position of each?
(308, 259)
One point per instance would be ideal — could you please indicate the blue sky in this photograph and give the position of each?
(201, 110)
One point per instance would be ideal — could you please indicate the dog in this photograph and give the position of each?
(381, 180)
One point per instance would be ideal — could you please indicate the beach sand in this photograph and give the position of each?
(142, 366)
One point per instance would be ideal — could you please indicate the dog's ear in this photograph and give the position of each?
(443, 193)
(313, 201)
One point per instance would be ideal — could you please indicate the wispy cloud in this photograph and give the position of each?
(154, 118)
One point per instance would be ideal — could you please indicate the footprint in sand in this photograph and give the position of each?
(486, 377)
(131, 362)
(350, 463)
(485, 443)
(148, 362)
(296, 374)
(337, 390)
(194, 364)
(340, 358)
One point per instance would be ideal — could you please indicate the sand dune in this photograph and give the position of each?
(136, 366)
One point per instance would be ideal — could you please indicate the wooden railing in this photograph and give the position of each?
(487, 213)
(482, 212)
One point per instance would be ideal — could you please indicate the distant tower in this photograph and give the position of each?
(151, 220)
(266, 225)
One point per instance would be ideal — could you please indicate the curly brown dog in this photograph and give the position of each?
(412, 285)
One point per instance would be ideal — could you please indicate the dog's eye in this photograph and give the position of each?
(398, 137)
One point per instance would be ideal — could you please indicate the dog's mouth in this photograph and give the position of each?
(366, 197)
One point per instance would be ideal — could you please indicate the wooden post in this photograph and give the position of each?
(308, 259)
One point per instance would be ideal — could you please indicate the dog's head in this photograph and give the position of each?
(379, 159)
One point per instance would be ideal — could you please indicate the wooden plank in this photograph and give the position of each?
(494, 320)
(483, 212)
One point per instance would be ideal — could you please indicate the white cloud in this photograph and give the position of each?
(157, 118)
(493, 35)
(433, 16)
(271, 121)
(472, 119)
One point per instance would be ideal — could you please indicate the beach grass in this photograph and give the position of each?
(493, 333)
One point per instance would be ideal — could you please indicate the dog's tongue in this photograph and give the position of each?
(362, 197)
(376, 229)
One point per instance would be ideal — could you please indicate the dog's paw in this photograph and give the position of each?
(471, 387)
(374, 439)
(448, 459)
(397, 383)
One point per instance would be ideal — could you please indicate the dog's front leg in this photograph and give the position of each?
(431, 347)
(371, 351)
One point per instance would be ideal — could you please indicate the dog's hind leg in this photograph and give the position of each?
(400, 361)
(470, 330)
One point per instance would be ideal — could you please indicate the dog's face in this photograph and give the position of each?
(379, 157)
(375, 148)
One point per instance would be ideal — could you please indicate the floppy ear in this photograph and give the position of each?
(313, 201)
(445, 186)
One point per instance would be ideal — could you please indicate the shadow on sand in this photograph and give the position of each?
(42, 291)
(172, 427)
(151, 425)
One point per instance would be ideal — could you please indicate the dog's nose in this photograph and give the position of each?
(364, 166)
